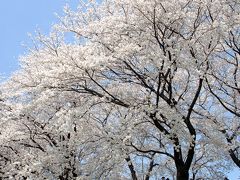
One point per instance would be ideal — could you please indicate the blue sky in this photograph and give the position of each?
(17, 19)
(20, 17)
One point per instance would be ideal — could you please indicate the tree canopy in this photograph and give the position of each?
(147, 89)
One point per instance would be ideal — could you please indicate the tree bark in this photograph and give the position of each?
(182, 174)
(131, 168)
(234, 158)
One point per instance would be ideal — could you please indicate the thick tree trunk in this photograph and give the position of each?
(182, 174)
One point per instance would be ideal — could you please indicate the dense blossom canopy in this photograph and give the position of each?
(147, 89)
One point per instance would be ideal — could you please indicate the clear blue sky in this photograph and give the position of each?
(17, 19)
(20, 17)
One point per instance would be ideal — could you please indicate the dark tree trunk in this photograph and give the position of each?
(131, 168)
(182, 174)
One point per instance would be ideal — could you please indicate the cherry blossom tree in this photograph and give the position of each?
(224, 87)
(147, 89)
